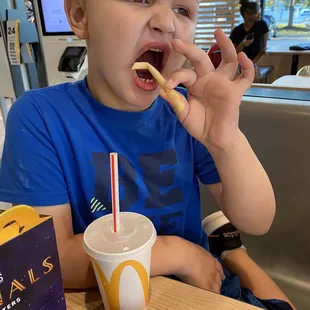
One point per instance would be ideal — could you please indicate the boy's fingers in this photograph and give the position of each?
(216, 288)
(229, 64)
(247, 75)
(219, 280)
(228, 50)
(199, 58)
(220, 270)
(222, 274)
(185, 76)
(180, 114)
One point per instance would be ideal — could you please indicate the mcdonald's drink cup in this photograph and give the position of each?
(121, 260)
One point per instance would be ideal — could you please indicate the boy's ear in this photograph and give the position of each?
(76, 14)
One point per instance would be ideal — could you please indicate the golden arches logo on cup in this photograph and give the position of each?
(112, 288)
(112, 252)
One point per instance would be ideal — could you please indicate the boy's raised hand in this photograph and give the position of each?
(211, 113)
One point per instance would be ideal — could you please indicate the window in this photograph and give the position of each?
(288, 18)
(216, 14)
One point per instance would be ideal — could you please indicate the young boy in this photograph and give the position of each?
(58, 141)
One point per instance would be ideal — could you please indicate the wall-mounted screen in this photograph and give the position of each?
(53, 18)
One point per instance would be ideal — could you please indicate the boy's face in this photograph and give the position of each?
(120, 32)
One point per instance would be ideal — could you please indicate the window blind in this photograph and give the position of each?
(216, 14)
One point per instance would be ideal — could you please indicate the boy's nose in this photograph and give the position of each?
(163, 20)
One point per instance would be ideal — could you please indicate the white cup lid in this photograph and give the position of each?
(136, 233)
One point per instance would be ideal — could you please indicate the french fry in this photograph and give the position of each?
(172, 94)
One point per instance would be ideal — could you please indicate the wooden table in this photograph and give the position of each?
(293, 81)
(165, 294)
(284, 49)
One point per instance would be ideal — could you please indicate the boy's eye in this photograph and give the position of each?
(182, 11)
(142, 1)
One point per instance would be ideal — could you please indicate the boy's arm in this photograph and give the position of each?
(170, 256)
(211, 116)
(245, 195)
(75, 264)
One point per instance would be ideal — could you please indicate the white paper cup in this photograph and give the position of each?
(121, 260)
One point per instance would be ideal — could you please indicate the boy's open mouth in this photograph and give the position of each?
(156, 54)
(154, 57)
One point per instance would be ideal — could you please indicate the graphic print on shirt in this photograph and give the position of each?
(96, 205)
(147, 188)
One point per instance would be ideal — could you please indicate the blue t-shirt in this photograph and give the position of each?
(58, 141)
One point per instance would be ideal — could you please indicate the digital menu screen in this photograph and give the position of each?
(53, 17)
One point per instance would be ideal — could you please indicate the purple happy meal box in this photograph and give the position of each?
(30, 275)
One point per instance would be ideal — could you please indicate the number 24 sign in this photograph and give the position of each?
(13, 41)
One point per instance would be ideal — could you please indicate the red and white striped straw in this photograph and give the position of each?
(115, 191)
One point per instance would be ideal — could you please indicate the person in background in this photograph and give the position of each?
(251, 36)
(29, 10)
